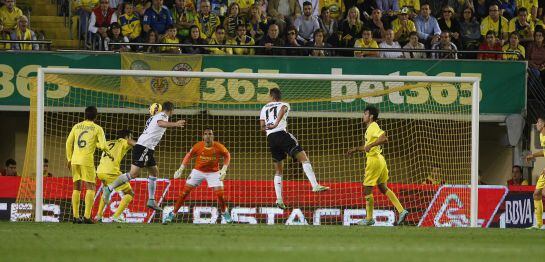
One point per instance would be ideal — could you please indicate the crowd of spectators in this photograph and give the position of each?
(15, 26)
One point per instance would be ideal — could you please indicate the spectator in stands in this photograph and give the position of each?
(449, 23)
(507, 8)
(378, 25)
(490, 43)
(244, 6)
(207, 21)
(23, 32)
(130, 23)
(46, 172)
(171, 38)
(402, 27)
(471, 30)
(257, 23)
(141, 6)
(220, 38)
(350, 29)
(388, 7)
(427, 26)
(523, 25)
(306, 24)
(115, 36)
(101, 19)
(530, 5)
(517, 179)
(292, 41)
(4, 36)
(195, 39)
(365, 7)
(242, 40)
(184, 16)
(157, 17)
(514, 46)
(282, 12)
(10, 169)
(412, 5)
(536, 55)
(272, 39)
(390, 43)
(315, 11)
(495, 22)
(10, 15)
(336, 8)
(458, 6)
(445, 44)
(414, 44)
(328, 25)
(435, 6)
(366, 41)
(232, 20)
(319, 41)
(151, 38)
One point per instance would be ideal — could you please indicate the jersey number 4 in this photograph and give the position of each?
(273, 111)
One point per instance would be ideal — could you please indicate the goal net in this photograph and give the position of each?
(430, 143)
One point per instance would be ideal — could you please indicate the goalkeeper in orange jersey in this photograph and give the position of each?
(376, 171)
(81, 143)
(207, 153)
(108, 170)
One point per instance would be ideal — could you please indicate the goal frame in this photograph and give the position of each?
(475, 99)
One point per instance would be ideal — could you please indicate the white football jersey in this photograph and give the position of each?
(270, 112)
(153, 132)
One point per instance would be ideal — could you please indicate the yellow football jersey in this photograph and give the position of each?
(118, 148)
(82, 141)
(372, 133)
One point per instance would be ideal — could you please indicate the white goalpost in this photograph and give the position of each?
(42, 108)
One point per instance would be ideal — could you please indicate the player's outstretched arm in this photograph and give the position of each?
(532, 156)
(179, 123)
(131, 142)
(186, 160)
(102, 144)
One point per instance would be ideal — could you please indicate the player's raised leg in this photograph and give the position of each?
(179, 202)
(120, 180)
(309, 172)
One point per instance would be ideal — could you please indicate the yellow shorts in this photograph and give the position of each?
(540, 182)
(376, 171)
(109, 178)
(84, 173)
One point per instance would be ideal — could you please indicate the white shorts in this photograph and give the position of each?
(212, 179)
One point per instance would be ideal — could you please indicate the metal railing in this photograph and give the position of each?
(518, 54)
(41, 43)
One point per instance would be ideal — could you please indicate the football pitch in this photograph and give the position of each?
(188, 242)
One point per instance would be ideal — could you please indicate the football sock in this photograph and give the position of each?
(538, 205)
(393, 198)
(100, 208)
(75, 203)
(89, 199)
(122, 179)
(123, 204)
(181, 200)
(369, 202)
(221, 201)
(307, 167)
(151, 187)
(278, 187)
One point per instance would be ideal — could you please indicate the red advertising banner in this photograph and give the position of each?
(451, 206)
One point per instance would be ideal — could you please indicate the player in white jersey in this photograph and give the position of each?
(273, 120)
(142, 153)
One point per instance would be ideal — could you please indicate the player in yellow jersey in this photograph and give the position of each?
(376, 171)
(538, 192)
(81, 143)
(108, 170)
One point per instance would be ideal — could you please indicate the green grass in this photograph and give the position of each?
(186, 242)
